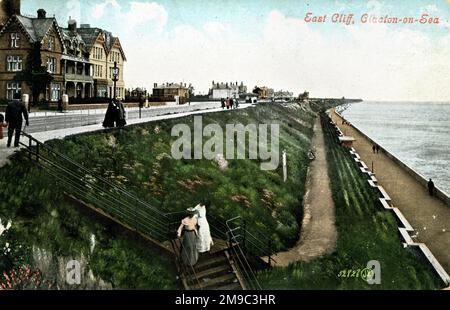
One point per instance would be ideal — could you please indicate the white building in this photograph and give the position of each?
(226, 90)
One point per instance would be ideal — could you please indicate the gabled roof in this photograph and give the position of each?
(90, 36)
(35, 28)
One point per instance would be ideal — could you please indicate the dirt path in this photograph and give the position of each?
(318, 235)
(429, 216)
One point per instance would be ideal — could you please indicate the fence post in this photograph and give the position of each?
(270, 253)
(244, 235)
(37, 152)
(29, 148)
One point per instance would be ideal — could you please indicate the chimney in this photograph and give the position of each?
(41, 14)
(155, 85)
(72, 25)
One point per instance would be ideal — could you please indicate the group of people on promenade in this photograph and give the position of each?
(194, 230)
(115, 115)
(229, 103)
(376, 149)
(16, 112)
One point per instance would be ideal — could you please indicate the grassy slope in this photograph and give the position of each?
(365, 232)
(43, 219)
(138, 158)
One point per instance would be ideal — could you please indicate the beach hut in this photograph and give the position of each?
(347, 141)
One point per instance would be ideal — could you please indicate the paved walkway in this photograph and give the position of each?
(429, 216)
(318, 235)
(44, 136)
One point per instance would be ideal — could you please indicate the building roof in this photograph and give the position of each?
(170, 85)
(224, 86)
(35, 28)
(89, 35)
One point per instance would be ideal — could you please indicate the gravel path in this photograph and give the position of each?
(318, 234)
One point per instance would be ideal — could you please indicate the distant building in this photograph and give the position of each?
(283, 95)
(136, 93)
(171, 90)
(226, 90)
(262, 92)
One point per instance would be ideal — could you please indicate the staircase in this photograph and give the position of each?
(213, 271)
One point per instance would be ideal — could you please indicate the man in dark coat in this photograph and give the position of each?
(431, 187)
(13, 117)
(115, 115)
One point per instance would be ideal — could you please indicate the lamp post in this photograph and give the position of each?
(115, 74)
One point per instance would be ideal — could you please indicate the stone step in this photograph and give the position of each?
(226, 279)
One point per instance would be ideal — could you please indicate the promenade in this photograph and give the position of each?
(429, 216)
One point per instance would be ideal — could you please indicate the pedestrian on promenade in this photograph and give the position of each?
(374, 148)
(2, 124)
(227, 103)
(378, 148)
(14, 112)
(222, 101)
(115, 115)
(236, 103)
(431, 187)
(121, 115)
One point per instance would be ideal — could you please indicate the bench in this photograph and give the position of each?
(434, 262)
(406, 236)
(403, 220)
(372, 184)
(385, 204)
(383, 192)
(364, 165)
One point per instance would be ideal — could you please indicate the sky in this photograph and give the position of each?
(268, 43)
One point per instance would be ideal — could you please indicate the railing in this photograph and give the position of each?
(143, 217)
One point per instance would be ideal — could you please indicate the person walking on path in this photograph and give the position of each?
(14, 112)
(188, 228)
(378, 148)
(431, 187)
(204, 241)
(374, 148)
(222, 101)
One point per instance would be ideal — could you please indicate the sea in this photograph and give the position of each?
(417, 133)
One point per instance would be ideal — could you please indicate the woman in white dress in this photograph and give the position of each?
(204, 241)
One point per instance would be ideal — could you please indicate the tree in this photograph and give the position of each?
(35, 74)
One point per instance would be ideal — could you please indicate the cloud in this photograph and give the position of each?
(98, 11)
(141, 13)
(366, 61)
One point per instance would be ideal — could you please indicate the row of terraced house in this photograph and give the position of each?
(79, 59)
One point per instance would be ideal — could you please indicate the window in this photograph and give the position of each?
(55, 92)
(15, 37)
(12, 89)
(51, 65)
(51, 43)
(14, 63)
